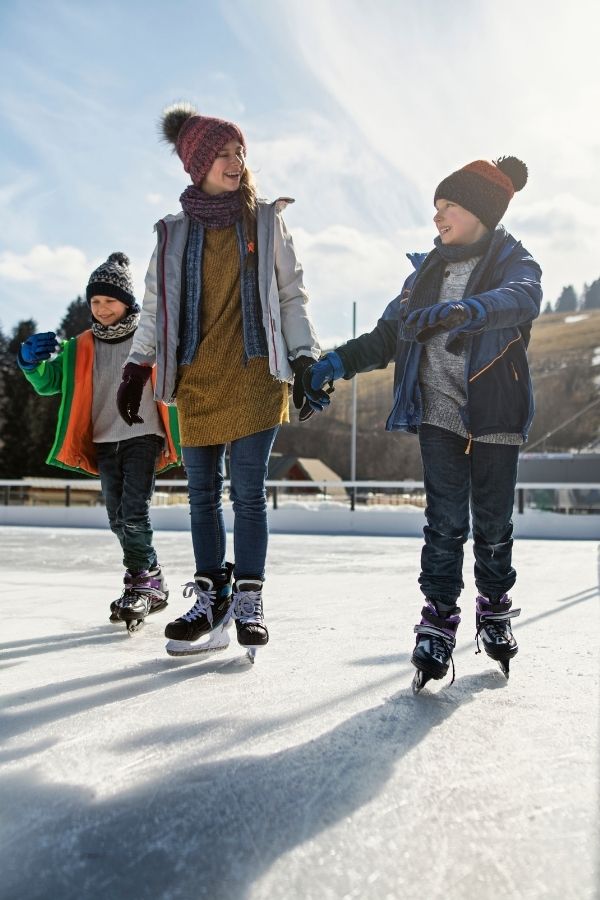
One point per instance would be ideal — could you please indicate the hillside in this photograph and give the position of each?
(565, 361)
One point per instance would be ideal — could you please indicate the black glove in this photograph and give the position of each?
(129, 395)
(299, 367)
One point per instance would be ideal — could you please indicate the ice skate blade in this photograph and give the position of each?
(422, 678)
(214, 643)
(504, 666)
(251, 653)
(419, 681)
(134, 625)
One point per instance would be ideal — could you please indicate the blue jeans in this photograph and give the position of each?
(127, 478)
(485, 479)
(205, 467)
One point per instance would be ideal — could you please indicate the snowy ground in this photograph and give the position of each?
(315, 774)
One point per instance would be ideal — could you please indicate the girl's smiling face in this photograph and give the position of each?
(225, 173)
(456, 224)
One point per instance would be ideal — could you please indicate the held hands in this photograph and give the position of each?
(445, 316)
(129, 395)
(299, 367)
(316, 376)
(36, 349)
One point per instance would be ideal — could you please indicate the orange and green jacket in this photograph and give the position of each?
(70, 373)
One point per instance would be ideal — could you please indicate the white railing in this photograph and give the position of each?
(60, 490)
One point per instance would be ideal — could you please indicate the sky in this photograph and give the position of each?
(356, 110)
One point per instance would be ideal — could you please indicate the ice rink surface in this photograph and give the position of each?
(314, 774)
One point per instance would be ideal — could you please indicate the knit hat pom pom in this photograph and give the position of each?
(173, 119)
(514, 169)
(120, 258)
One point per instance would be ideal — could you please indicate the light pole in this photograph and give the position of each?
(353, 434)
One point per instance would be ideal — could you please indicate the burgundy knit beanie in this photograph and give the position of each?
(484, 188)
(197, 139)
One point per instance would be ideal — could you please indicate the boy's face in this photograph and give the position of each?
(225, 173)
(456, 224)
(108, 310)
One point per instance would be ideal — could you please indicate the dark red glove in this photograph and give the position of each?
(129, 395)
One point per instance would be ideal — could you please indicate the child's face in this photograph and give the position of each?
(108, 310)
(225, 173)
(456, 224)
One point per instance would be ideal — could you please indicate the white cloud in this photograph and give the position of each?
(59, 270)
(428, 88)
(343, 265)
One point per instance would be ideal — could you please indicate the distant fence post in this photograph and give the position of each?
(67, 495)
(274, 498)
(521, 500)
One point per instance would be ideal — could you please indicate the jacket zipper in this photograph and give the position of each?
(495, 360)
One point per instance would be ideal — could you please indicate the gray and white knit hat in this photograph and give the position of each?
(113, 279)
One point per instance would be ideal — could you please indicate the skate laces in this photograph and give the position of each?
(247, 607)
(204, 602)
(441, 643)
(131, 596)
(497, 624)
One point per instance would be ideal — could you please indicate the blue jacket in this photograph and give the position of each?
(497, 380)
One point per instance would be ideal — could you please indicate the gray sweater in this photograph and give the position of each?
(442, 374)
(109, 358)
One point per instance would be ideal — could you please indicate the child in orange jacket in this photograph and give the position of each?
(91, 436)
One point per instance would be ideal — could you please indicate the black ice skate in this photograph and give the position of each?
(494, 629)
(248, 613)
(436, 639)
(144, 593)
(210, 615)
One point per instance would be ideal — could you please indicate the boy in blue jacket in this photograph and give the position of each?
(458, 332)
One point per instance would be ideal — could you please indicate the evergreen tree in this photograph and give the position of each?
(76, 319)
(547, 309)
(28, 421)
(591, 295)
(4, 396)
(567, 302)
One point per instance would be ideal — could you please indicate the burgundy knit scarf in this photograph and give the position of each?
(212, 211)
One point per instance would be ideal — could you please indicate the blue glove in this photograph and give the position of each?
(36, 349)
(444, 316)
(315, 377)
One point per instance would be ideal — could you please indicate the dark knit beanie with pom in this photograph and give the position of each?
(484, 188)
(112, 279)
(197, 139)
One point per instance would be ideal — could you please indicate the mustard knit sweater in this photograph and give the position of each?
(219, 399)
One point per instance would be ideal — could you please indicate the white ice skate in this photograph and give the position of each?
(217, 639)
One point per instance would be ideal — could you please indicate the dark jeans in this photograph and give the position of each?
(127, 478)
(205, 467)
(485, 478)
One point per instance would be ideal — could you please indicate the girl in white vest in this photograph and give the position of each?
(225, 322)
